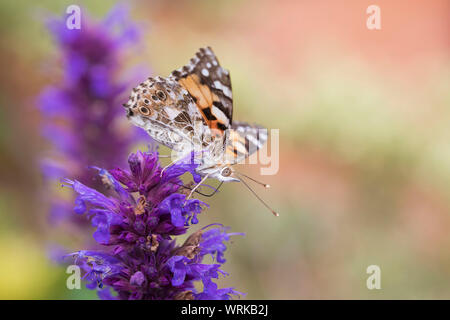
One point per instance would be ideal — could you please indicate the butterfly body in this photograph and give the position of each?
(191, 110)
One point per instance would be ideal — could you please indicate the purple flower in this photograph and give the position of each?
(211, 292)
(213, 242)
(82, 112)
(157, 209)
(137, 223)
(98, 266)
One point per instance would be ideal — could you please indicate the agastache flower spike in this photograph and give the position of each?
(137, 225)
(81, 113)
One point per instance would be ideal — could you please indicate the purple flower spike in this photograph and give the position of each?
(138, 223)
(82, 111)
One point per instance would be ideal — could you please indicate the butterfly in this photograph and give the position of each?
(191, 110)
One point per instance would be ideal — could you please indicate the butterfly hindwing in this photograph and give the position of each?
(243, 140)
(210, 86)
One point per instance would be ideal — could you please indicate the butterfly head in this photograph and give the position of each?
(227, 175)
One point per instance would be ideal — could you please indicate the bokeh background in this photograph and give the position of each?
(364, 119)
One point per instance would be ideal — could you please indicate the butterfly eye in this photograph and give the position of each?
(144, 110)
(161, 95)
(226, 172)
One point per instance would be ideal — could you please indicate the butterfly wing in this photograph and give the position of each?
(243, 140)
(210, 86)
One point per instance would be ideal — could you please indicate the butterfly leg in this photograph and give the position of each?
(204, 194)
(198, 185)
(212, 193)
(169, 165)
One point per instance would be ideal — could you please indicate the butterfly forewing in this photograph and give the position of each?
(210, 86)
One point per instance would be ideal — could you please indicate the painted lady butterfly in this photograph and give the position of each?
(191, 110)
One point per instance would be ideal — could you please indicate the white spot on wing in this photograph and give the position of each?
(205, 72)
(137, 121)
(253, 140)
(225, 89)
(220, 115)
(171, 112)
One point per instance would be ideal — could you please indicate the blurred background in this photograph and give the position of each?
(364, 120)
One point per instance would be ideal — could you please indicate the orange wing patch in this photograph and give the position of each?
(204, 98)
(236, 146)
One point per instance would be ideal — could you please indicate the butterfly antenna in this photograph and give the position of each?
(265, 185)
(262, 201)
